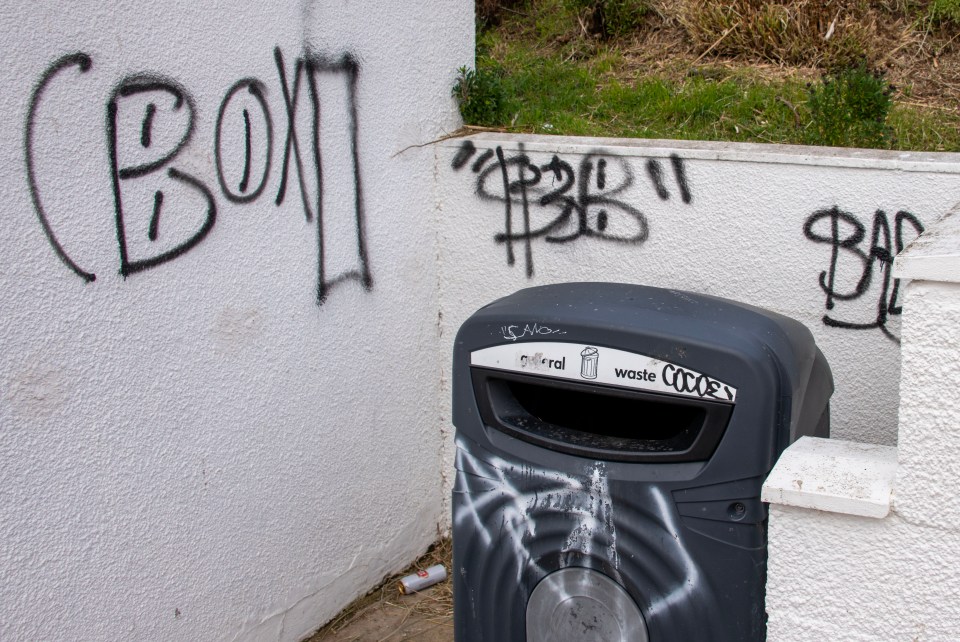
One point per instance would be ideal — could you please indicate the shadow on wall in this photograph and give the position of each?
(150, 119)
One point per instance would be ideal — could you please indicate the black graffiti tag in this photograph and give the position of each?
(586, 201)
(684, 381)
(153, 162)
(243, 194)
(83, 62)
(845, 235)
(150, 120)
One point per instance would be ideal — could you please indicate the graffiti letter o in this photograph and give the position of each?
(256, 89)
(666, 377)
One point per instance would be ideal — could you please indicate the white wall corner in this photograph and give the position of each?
(929, 413)
(935, 254)
(835, 476)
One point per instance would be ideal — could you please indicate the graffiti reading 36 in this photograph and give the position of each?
(849, 255)
(150, 120)
(560, 203)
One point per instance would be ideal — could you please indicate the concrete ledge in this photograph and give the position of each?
(835, 476)
(933, 162)
(934, 255)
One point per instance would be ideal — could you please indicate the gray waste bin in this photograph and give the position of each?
(611, 445)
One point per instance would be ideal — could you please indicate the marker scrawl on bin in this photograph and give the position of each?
(514, 332)
(554, 201)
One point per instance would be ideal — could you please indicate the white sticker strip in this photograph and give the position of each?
(595, 364)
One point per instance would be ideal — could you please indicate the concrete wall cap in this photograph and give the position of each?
(765, 153)
(935, 254)
(835, 476)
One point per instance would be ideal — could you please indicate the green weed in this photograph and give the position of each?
(849, 108)
(941, 11)
(480, 96)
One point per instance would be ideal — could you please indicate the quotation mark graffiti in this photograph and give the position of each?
(845, 235)
(560, 204)
(655, 170)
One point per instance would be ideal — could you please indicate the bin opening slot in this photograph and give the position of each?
(607, 417)
(600, 421)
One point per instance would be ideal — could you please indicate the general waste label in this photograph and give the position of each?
(595, 364)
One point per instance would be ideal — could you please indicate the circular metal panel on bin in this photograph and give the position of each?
(583, 605)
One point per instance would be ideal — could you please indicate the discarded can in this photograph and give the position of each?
(422, 579)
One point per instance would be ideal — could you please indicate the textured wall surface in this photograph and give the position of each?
(837, 576)
(806, 232)
(218, 375)
(859, 579)
(928, 481)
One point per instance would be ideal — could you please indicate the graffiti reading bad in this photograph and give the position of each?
(150, 120)
(850, 255)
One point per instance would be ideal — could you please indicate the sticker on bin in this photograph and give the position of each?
(596, 364)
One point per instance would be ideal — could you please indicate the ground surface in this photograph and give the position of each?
(385, 615)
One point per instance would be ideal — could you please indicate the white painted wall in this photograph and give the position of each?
(835, 575)
(858, 579)
(741, 236)
(199, 450)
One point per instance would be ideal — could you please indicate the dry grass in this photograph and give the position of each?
(827, 34)
(819, 33)
(432, 606)
(786, 40)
